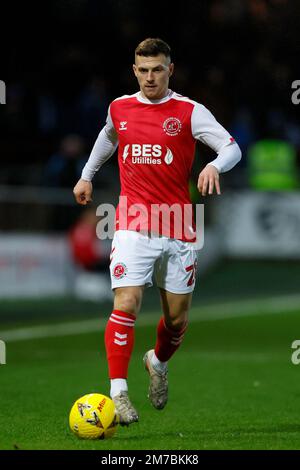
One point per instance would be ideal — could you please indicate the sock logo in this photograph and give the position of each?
(176, 340)
(121, 337)
(119, 340)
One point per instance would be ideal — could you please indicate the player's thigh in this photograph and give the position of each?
(175, 308)
(128, 299)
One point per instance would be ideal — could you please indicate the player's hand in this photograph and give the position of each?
(208, 181)
(83, 192)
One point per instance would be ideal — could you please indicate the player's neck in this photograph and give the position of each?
(166, 96)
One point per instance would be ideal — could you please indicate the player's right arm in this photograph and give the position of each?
(104, 148)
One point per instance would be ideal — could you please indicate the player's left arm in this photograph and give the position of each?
(209, 131)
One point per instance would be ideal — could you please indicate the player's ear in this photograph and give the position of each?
(171, 69)
(134, 69)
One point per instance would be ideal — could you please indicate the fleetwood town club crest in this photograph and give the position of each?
(119, 270)
(172, 126)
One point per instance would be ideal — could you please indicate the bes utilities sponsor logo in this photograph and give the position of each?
(147, 154)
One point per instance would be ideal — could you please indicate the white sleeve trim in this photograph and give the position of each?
(104, 148)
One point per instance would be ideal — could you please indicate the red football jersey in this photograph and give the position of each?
(156, 152)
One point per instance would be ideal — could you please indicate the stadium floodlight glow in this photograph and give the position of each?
(2, 92)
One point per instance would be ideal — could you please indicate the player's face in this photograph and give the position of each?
(153, 74)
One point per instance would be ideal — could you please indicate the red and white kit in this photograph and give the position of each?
(156, 151)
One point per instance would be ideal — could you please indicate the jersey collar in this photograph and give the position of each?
(140, 98)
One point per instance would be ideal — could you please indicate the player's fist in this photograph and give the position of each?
(208, 180)
(83, 192)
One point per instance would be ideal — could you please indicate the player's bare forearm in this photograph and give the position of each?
(208, 181)
(83, 192)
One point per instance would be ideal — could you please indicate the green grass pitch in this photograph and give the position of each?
(232, 386)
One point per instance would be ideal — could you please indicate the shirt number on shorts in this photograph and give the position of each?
(192, 269)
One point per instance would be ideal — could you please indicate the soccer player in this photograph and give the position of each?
(156, 130)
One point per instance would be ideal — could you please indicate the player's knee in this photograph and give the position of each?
(177, 323)
(128, 302)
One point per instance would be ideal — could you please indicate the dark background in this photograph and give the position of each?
(64, 61)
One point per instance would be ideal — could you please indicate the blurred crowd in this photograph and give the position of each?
(238, 57)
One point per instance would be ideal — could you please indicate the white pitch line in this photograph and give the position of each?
(65, 329)
(219, 311)
(249, 307)
(239, 356)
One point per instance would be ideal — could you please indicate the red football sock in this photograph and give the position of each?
(119, 340)
(167, 341)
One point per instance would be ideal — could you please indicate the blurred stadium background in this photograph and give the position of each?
(237, 57)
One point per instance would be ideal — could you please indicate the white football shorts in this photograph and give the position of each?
(135, 257)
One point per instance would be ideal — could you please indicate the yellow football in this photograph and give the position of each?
(93, 416)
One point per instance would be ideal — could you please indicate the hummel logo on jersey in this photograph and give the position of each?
(123, 126)
(147, 154)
